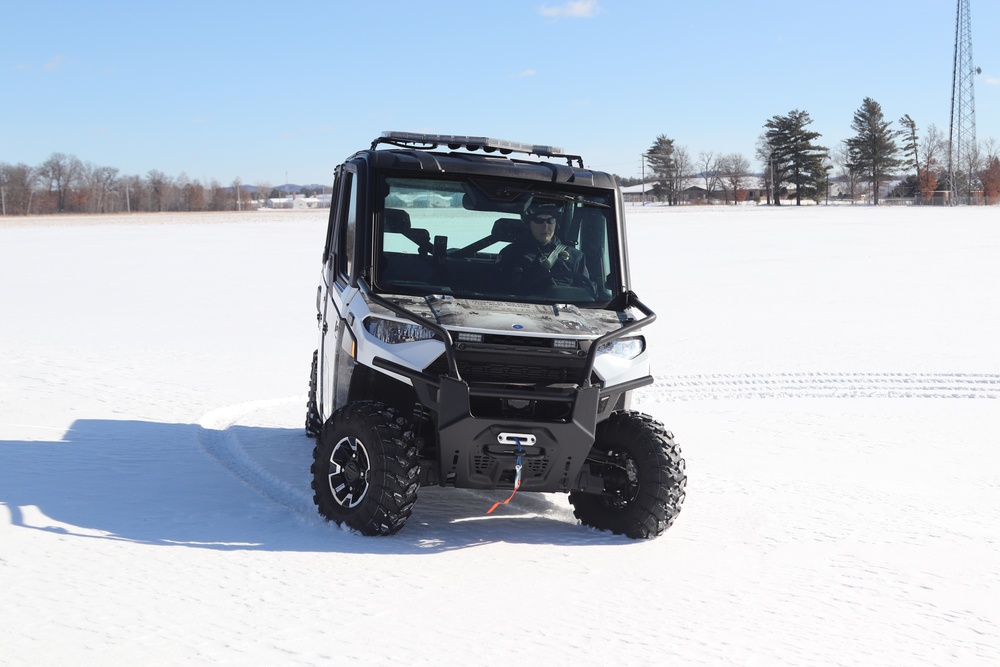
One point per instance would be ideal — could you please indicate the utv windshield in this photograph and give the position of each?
(496, 239)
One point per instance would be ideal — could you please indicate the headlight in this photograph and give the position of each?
(626, 348)
(391, 331)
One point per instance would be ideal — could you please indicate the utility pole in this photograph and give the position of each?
(962, 133)
(642, 163)
(774, 186)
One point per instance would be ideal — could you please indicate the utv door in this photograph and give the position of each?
(336, 345)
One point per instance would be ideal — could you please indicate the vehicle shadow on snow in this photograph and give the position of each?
(240, 488)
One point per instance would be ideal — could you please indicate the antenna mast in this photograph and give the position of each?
(962, 133)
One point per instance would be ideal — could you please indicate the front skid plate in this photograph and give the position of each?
(473, 454)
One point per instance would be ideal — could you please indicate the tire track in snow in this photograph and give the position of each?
(218, 438)
(827, 385)
(221, 443)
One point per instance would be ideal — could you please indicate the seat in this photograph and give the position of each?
(397, 221)
(505, 230)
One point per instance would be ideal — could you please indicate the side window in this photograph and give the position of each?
(348, 227)
(328, 247)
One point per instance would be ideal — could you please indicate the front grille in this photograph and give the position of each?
(495, 372)
(501, 367)
(518, 341)
(532, 467)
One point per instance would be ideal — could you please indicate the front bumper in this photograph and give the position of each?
(475, 449)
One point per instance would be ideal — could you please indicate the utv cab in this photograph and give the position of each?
(444, 359)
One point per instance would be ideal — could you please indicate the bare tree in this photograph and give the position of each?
(104, 181)
(683, 168)
(765, 155)
(157, 185)
(193, 196)
(239, 193)
(173, 193)
(708, 164)
(263, 191)
(61, 173)
(17, 187)
(933, 148)
(989, 149)
(972, 164)
(132, 188)
(850, 179)
(991, 180)
(734, 170)
(218, 197)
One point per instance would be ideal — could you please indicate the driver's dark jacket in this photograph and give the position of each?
(521, 265)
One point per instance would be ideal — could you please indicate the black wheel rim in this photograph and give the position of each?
(350, 468)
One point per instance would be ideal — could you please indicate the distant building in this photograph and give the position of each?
(635, 194)
(298, 201)
(752, 191)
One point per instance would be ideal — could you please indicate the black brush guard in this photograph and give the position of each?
(483, 452)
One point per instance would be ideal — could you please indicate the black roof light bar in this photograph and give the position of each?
(423, 141)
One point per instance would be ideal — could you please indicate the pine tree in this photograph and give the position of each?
(662, 159)
(873, 150)
(794, 157)
(910, 144)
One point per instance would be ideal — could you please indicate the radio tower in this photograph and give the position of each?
(962, 134)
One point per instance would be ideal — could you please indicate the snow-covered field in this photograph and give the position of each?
(832, 375)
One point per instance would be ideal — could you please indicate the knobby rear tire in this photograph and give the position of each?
(314, 425)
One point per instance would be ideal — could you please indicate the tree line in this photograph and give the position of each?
(66, 184)
(795, 167)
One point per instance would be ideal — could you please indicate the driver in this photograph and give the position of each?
(539, 260)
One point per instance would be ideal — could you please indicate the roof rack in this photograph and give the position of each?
(485, 144)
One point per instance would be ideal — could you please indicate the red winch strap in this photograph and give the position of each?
(517, 485)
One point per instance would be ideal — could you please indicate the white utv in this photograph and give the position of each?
(442, 361)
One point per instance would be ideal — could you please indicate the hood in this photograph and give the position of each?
(510, 317)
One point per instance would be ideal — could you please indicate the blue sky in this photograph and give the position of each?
(256, 90)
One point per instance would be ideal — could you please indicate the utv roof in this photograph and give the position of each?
(483, 156)
(486, 144)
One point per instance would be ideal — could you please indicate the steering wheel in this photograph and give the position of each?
(577, 279)
(548, 281)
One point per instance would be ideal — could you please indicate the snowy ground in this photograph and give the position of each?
(832, 374)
